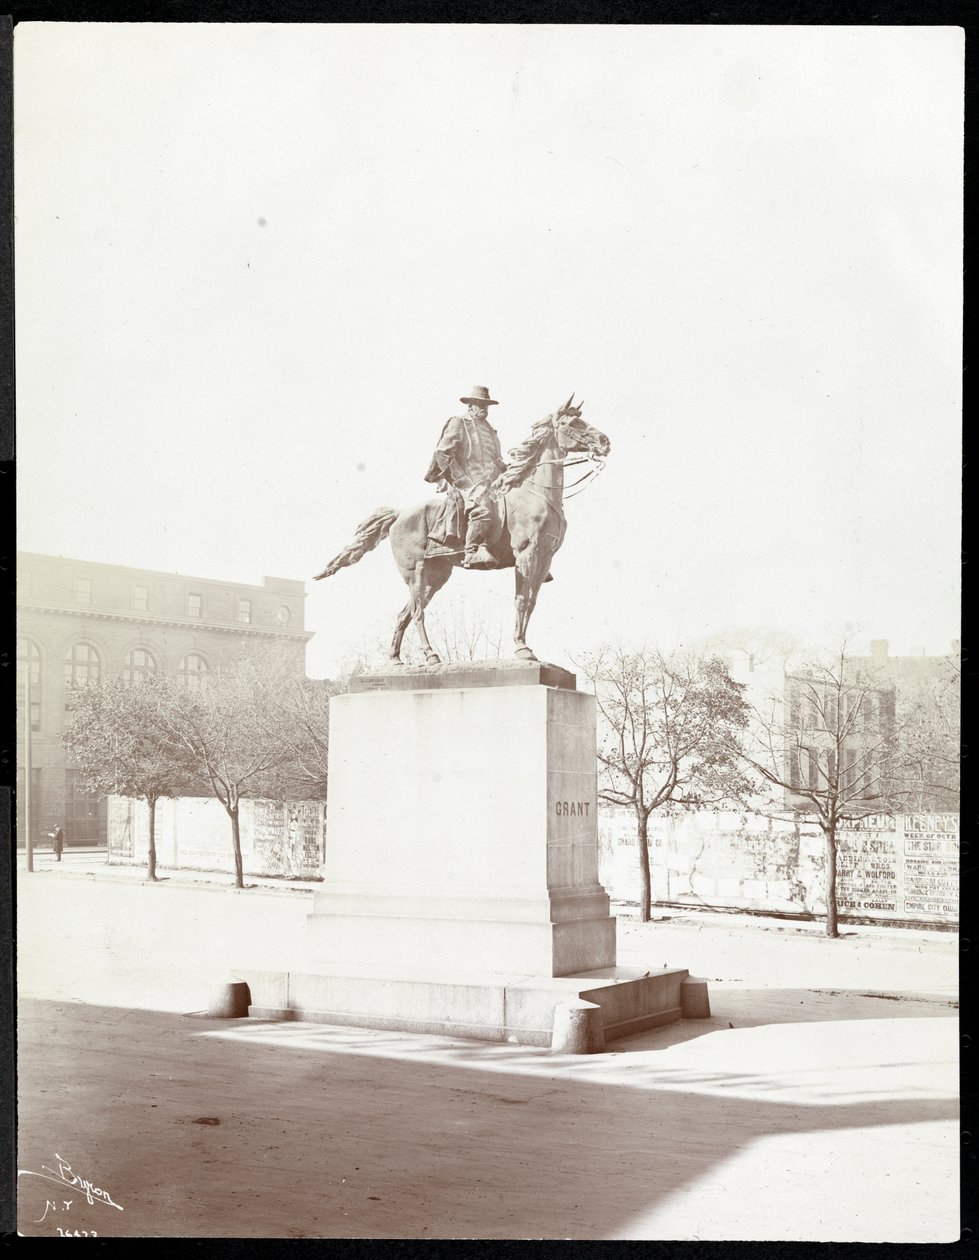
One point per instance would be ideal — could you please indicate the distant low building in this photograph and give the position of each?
(78, 621)
(881, 688)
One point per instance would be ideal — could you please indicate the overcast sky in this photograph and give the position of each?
(258, 265)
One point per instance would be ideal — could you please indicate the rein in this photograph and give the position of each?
(598, 465)
(588, 477)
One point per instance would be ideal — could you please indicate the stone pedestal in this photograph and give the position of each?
(461, 890)
(462, 825)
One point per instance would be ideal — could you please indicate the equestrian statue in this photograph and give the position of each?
(494, 515)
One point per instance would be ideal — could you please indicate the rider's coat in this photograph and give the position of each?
(467, 456)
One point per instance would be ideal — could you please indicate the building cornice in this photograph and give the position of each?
(239, 629)
(23, 557)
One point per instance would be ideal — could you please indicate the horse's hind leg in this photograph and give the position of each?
(401, 625)
(425, 581)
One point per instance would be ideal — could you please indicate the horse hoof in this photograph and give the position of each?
(432, 658)
(525, 654)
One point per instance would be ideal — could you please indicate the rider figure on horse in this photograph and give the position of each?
(468, 458)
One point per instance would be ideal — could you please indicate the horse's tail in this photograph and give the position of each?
(369, 533)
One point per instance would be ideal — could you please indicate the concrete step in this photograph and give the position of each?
(479, 1006)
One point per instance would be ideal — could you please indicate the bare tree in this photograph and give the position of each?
(669, 737)
(467, 630)
(760, 644)
(362, 656)
(245, 733)
(120, 737)
(306, 732)
(928, 707)
(832, 745)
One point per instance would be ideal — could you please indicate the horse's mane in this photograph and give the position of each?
(524, 457)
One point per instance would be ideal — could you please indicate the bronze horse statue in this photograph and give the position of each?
(531, 528)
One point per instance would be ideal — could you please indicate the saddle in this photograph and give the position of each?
(448, 529)
(447, 533)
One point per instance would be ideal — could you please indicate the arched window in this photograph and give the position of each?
(139, 666)
(82, 665)
(192, 670)
(29, 666)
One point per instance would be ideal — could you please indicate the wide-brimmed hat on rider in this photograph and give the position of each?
(480, 396)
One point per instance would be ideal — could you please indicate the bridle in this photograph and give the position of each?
(587, 478)
(598, 465)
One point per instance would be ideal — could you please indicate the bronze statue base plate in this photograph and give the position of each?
(465, 674)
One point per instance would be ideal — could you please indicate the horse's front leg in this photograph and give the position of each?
(521, 650)
(531, 566)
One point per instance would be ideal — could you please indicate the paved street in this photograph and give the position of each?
(818, 1102)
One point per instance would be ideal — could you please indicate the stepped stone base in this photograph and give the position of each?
(462, 895)
(483, 1007)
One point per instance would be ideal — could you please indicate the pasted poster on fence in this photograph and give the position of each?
(287, 837)
(277, 837)
(902, 869)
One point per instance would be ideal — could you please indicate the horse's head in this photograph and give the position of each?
(574, 434)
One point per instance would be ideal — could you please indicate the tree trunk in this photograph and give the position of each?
(236, 839)
(642, 835)
(831, 927)
(151, 869)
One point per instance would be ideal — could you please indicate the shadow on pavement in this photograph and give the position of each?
(245, 1129)
(754, 1008)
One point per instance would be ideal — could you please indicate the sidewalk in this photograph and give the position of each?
(737, 950)
(808, 1106)
(839, 1126)
(94, 863)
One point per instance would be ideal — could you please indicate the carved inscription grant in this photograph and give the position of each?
(572, 809)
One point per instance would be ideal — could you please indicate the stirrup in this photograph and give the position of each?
(437, 551)
(473, 560)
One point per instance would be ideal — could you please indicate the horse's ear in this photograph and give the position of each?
(567, 405)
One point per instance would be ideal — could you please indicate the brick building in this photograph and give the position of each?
(78, 621)
(829, 716)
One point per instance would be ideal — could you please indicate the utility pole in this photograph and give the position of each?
(28, 774)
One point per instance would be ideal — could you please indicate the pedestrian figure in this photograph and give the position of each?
(59, 842)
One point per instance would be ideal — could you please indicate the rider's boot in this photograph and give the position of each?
(478, 557)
